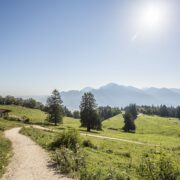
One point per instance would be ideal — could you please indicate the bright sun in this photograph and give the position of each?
(151, 17)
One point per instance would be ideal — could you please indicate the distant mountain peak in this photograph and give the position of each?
(110, 85)
(87, 89)
(113, 94)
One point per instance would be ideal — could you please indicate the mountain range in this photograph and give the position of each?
(118, 95)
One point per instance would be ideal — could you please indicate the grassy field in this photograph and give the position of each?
(35, 115)
(5, 152)
(150, 129)
(148, 125)
(111, 155)
(5, 144)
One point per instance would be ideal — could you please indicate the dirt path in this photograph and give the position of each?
(118, 139)
(101, 137)
(29, 161)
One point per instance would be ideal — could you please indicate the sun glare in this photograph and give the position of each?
(151, 17)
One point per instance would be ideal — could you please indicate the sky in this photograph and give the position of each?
(67, 44)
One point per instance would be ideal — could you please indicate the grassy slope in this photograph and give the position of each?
(5, 151)
(125, 157)
(150, 129)
(148, 125)
(110, 153)
(5, 144)
(35, 115)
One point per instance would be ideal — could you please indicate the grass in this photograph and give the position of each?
(5, 144)
(6, 124)
(108, 154)
(5, 152)
(35, 115)
(121, 156)
(148, 125)
(150, 129)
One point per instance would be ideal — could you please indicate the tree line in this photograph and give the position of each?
(90, 115)
(105, 112)
(162, 111)
(29, 103)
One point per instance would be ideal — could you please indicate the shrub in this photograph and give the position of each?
(98, 174)
(69, 161)
(87, 175)
(109, 151)
(125, 154)
(88, 143)
(12, 118)
(68, 139)
(157, 166)
(24, 119)
(114, 174)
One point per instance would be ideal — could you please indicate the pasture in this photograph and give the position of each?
(105, 156)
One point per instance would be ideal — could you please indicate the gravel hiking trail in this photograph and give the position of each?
(29, 160)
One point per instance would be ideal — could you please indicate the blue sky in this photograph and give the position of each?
(68, 44)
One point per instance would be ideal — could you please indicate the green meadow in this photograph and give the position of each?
(5, 150)
(35, 116)
(158, 134)
(106, 155)
(5, 144)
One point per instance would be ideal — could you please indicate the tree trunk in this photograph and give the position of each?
(88, 129)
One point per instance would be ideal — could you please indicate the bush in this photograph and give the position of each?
(157, 166)
(68, 139)
(125, 154)
(24, 119)
(88, 143)
(12, 118)
(69, 161)
(86, 175)
(98, 174)
(115, 174)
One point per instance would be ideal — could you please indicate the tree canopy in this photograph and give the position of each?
(29, 103)
(129, 118)
(89, 116)
(107, 112)
(55, 108)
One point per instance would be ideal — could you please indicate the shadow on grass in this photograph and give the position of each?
(92, 131)
(60, 128)
(42, 124)
(54, 167)
(114, 129)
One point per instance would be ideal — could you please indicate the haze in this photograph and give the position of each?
(74, 44)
